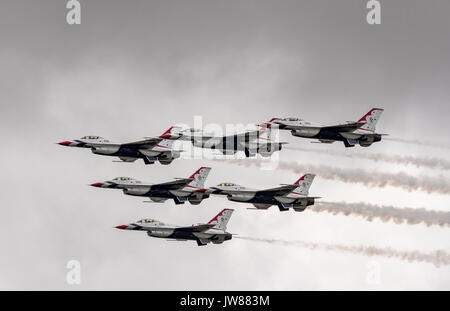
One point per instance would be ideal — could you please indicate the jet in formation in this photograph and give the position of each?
(214, 231)
(150, 149)
(250, 142)
(350, 133)
(180, 190)
(286, 196)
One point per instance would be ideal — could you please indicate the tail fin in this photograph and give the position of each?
(269, 123)
(199, 177)
(174, 132)
(371, 118)
(304, 183)
(221, 219)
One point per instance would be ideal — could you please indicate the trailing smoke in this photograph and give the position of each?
(434, 163)
(438, 258)
(399, 215)
(371, 179)
(419, 142)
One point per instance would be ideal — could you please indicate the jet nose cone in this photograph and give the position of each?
(121, 227)
(65, 143)
(97, 184)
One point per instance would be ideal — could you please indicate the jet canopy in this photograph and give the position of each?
(122, 178)
(227, 184)
(145, 221)
(126, 180)
(92, 137)
(292, 119)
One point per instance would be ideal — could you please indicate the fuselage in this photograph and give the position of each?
(158, 229)
(238, 193)
(149, 151)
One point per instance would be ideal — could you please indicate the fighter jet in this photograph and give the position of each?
(251, 142)
(350, 133)
(180, 190)
(151, 149)
(214, 231)
(287, 196)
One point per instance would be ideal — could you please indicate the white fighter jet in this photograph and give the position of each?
(287, 196)
(214, 231)
(180, 190)
(150, 149)
(251, 142)
(350, 133)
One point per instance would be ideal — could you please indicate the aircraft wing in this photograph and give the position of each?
(196, 228)
(145, 143)
(172, 185)
(346, 127)
(231, 192)
(282, 190)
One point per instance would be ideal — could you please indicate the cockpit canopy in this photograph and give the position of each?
(292, 119)
(145, 221)
(226, 184)
(122, 178)
(92, 137)
(126, 179)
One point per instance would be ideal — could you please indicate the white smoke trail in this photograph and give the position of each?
(428, 184)
(438, 258)
(419, 142)
(399, 215)
(430, 162)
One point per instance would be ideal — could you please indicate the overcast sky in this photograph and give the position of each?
(133, 68)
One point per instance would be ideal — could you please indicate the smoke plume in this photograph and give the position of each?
(385, 213)
(438, 258)
(428, 162)
(438, 184)
(419, 142)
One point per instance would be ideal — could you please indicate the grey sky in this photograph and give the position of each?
(133, 68)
